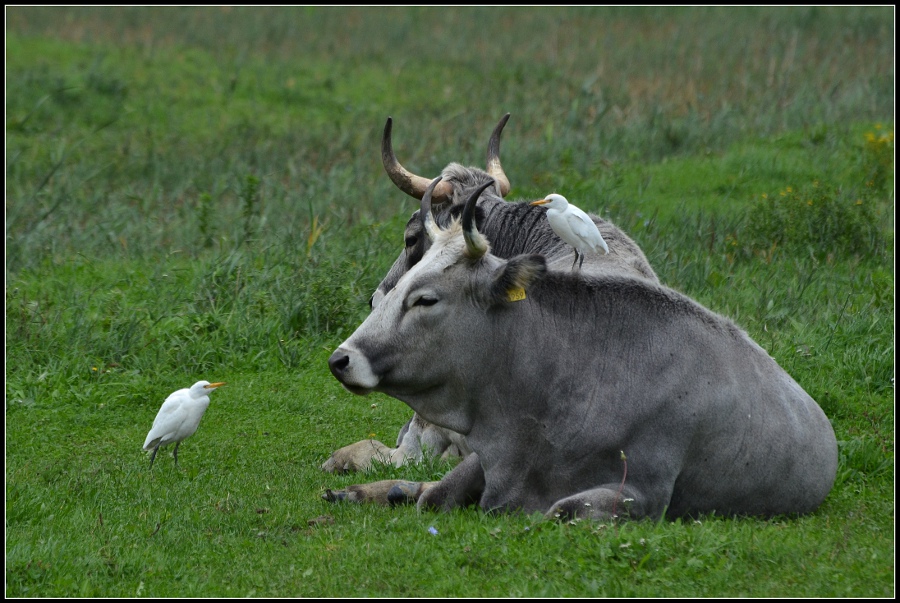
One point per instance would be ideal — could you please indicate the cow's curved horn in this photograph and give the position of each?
(406, 181)
(425, 210)
(476, 244)
(493, 157)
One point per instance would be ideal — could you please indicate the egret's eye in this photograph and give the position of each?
(425, 301)
(411, 240)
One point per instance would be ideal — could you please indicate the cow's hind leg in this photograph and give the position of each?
(357, 457)
(386, 492)
(415, 437)
(604, 502)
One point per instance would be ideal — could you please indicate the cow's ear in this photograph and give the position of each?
(515, 276)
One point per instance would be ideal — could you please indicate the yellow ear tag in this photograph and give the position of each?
(515, 294)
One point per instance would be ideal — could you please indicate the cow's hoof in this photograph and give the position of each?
(404, 493)
(566, 512)
(333, 497)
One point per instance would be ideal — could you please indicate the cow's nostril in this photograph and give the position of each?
(338, 362)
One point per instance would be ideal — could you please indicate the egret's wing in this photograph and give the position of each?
(171, 406)
(582, 225)
(171, 414)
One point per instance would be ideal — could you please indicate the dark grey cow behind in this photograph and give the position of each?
(514, 228)
(552, 390)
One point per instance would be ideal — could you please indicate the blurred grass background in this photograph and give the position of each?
(298, 97)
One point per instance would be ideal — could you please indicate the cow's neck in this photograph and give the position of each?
(443, 405)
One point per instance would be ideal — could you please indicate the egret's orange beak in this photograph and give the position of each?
(214, 385)
(541, 202)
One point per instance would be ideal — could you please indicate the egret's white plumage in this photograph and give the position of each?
(573, 226)
(179, 417)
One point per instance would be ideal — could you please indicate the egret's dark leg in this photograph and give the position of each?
(581, 262)
(153, 456)
(575, 260)
(177, 444)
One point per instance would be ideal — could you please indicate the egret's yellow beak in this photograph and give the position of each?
(214, 385)
(541, 202)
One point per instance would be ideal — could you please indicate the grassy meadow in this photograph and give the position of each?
(197, 193)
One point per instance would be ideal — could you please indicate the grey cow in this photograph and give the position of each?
(514, 228)
(552, 390)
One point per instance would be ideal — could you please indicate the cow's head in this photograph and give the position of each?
(431, 328)
(456, 185)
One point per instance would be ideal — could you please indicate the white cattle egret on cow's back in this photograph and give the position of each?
(573, 226)
(179, 417)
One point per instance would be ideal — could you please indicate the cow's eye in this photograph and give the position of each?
(425, 300)
(411, 241)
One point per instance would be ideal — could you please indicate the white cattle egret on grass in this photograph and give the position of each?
(179, 417)
(573, 226)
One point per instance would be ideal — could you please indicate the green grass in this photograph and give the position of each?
(197, 193)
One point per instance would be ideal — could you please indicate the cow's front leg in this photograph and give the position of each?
(462, 487)
(386, 492)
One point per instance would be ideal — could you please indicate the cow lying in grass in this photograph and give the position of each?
(555, 379)
(514, 228)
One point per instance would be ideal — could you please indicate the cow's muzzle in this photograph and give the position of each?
(353, 370)
(338, 361)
